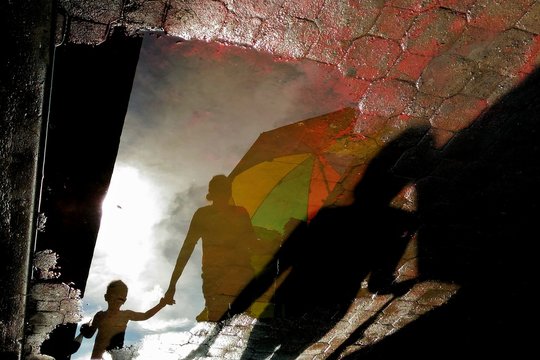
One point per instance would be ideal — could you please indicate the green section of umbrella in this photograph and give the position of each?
(288, 199)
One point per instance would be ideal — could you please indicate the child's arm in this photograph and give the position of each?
(88, 330)
(141, 316)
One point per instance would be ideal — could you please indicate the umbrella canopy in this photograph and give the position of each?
(290, 171)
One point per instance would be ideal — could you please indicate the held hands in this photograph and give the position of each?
(163, 302)
(169, 297)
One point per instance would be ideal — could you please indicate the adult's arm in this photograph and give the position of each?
(190, 241)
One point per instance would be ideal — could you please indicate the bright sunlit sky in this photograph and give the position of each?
(194, 111)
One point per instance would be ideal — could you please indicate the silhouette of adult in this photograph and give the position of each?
(324, 262)
(227, 241)
(479, 211)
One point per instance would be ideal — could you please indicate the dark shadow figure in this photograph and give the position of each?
(322, 264)
(479, 211)
(228, 240)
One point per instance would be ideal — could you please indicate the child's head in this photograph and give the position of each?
(116, 294)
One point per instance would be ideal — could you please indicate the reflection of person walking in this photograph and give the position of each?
(227, 240)
(111, 324)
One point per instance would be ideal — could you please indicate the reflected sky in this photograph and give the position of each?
(194, 111)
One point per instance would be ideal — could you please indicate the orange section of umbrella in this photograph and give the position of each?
(324, 179)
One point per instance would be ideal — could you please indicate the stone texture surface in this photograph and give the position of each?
(393, 23)
(387, 98)
(446, 75)
(531, 20)
(195, 19)
(146, 14)
(302, 9)
(507, 53)
(51, 303)
(87, 32)
(100, 11)
(240, 30)
(409, 66)
(496, 15)
(457, 5)
(370, 58)
(415, 5)
(262, 9)
(433, 32)
(340, 23)
(458, 112)
(23, 75)
(423, 105)
(287, 36)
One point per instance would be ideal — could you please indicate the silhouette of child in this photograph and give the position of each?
(111, 324)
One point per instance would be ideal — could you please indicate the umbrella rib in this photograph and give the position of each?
(281, 181)
(321, 168)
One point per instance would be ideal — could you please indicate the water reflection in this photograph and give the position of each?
(195, 111)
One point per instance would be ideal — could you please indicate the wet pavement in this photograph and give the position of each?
(370, 318)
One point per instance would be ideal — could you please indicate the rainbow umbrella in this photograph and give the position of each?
(290, 171)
